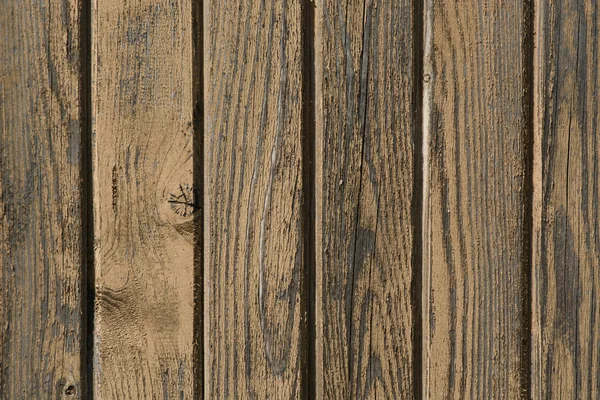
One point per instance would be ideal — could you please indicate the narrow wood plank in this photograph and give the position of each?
(254, 291)
(40, 205)
(566, 311)
(475, 297)
(366, 162)
(144, 198)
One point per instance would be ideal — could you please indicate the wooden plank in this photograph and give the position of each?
(566, 312)
(476, 201)
(366, 148)
(144, 198)
(40, 205)
(254, 257)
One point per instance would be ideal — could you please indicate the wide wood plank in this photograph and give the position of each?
(366, 148)
(40, 206)
(144, 198)
(255, 313)
(475, 261)
(566, 311)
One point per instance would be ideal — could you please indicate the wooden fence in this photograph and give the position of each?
(281, 199)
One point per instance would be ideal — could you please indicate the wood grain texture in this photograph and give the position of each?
(254, 291)
(366, 166)
(144, 198)
(566, 312)
(475, 301)
(40, 205)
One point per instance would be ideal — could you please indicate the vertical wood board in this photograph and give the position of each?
(255, 311)
(40, 200)
(566, 312)
(366, 146)
(475, 241)
(144, 198)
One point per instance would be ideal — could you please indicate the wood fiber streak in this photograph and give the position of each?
(475, 290)
(366, 162)
(40, 205)
(144, 198)
(566, 293)
(255, 313)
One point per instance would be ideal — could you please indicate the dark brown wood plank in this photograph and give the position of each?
(40, 205)
(366, 148)
(255, 312)
(566, 275)
(144, 198)
(475, 261)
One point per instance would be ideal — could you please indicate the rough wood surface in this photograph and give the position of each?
(475, 308)
(40, 206)
(254, 291)
(566, 276)
(143, 198)
(365, 162)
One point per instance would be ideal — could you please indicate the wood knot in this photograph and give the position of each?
(183, 201)
(71, 390)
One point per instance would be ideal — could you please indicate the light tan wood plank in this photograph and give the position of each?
(475, 262)
(40, 200)
(566, 275)
(255, 312)
(366, 147)
(144, 198)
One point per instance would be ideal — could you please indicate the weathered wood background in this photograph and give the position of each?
(299, 199)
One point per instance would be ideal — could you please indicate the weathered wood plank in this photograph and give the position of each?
(366, 170)
(254, 291)
(475, 261)
(40, 205)
(144, 198)
(566, 312)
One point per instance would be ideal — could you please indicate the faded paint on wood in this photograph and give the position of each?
(566, 275)
(366, 169)
(40, 205)
(144, 198)
(475, 222)
(255, 316)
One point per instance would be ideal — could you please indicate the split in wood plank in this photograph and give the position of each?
(366, 146)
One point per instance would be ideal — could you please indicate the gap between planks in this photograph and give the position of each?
(198, 183)
(88, 273)
(309, 168)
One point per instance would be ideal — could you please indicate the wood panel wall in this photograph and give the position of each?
(299, 199)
